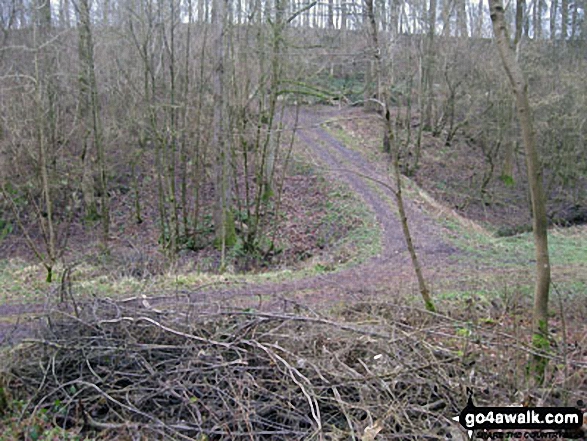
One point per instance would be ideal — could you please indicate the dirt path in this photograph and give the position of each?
(390, 269)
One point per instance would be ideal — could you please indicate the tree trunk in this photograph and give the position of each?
(520, 89)
(479, 30)
(574, 17)
(87, 179)
(564, 19)
(64, 17)
(394, 17)
(519, 21)
(553, 14)
(538, 19)
(428, 69)
(446, 13)
(223, 221)
(462, 18)
(42, 18)
(388, 127)
(91, 113)
(330, 14)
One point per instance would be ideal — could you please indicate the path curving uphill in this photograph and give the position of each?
(390, 269)
(392, 266)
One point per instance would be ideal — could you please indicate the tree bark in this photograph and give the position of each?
(553, 8)
(446, 13)
(388, 127)
(564, 19)
(428, 68)
(462, 18)
(90, 111)
(330, 14)
(223, 221)
(520, 89)
(479, 30)
(520, 4)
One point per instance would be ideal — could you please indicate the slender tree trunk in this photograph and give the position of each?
(87, 183)
(446, 13)
(393, 17)
(462, 18)
(42, 20)
(46, 217)
(480, 15)
(535, 19)
(574, 17)
(224, 223)
(388, 127)
(520, 89)
(520, 4)
(91, 113)
(202, 10)
(564, 19)
(64, 16)
(171, 138)
(428, 71)
(330, 14)
(553, 15)
(184, 140)
(21, 14)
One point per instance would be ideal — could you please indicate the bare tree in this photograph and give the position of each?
(564, 19)
(520, 88)
(553, 17)
(91, 121)
(389, 133)
(223, 216)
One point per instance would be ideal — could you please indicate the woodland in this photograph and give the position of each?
(290, 219)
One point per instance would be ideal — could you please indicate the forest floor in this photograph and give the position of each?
(482, 284)
(459, 256)
(370, 279)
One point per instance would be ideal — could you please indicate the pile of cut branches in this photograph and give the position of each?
(115, 369)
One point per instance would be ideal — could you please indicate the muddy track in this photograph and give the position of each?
(390, 268)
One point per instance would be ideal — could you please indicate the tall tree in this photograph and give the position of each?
(462, 18)
(520, 6)
(91, 119)
(223, 216)
(564, 19)
(389, 133)
(330, 14)
(537, 18)
(43, 66)
(479, 25)
(520, 88)
(553, 15)
(428, 66)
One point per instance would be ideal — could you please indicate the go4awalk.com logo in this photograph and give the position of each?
(522, 422)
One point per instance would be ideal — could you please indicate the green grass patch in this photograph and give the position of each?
(344, 210)
(21, 281)
(566, 247)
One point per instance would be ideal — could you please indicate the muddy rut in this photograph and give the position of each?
(380, 275)
(392, 267)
